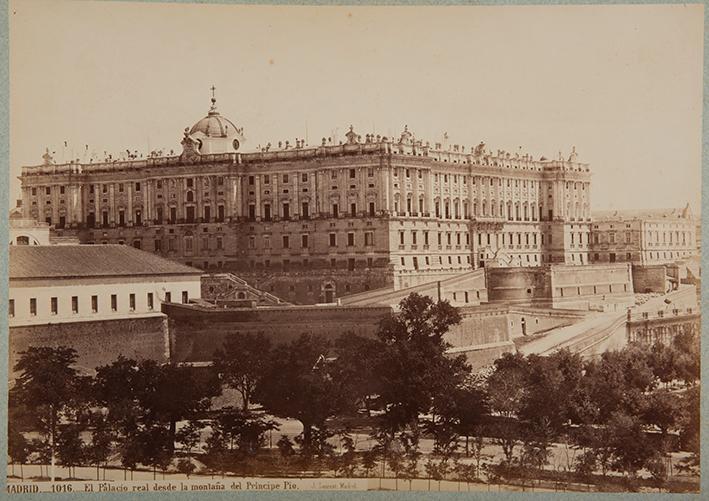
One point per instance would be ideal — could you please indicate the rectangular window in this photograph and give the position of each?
(305, 210)
(350, 239)
(353, 210)
(333, 240)
(251, 180)
(351, 264)
(137, 186)
(131, 302)
(266, 179)
(220, 243)
(304, 177)
(267, 212)
(54, 305)
(168, 297)
(75, 304)
(11, 310)
(94, 304)
(352, 173)
(372, 212)
(33, 306)
(334, 210)
(185, 297)
(304, 241)
(286, 211)
(285, 178)
(252, 212)
(114, 302)
(369, 238)
(286, 241)
(150, 301)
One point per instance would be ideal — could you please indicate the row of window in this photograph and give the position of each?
(305, 240)
(54, 305)
(432, 259)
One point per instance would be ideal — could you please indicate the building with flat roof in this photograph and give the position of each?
(644, 236)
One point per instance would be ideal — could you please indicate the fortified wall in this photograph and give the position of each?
(562, 286)
(97, 343)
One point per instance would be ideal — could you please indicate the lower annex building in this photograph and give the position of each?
(313, 223)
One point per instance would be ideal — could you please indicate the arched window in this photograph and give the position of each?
(190, 196)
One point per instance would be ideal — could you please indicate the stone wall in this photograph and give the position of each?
(530, 321)
(561, 286)
(317, 286)
(650, 278)
(478, 326)
(463, 289)
(518, 284)
(196, 332)
(97, 343)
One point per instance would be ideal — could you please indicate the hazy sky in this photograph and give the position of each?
(621, 83)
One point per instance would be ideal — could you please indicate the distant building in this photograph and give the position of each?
(643, 237)
(310, 223)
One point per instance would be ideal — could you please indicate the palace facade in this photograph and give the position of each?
(313, 223)
(643, 237)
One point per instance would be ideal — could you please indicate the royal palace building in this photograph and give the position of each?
(313, 223)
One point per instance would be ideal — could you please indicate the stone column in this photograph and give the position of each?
(257, 192)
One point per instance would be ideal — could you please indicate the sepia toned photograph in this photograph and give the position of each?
(286, 248)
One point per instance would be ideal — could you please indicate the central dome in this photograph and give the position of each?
(213, 134)
(215, 125)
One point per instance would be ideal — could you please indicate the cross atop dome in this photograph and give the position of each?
(213, 109)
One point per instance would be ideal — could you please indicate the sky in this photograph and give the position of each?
(623, 84)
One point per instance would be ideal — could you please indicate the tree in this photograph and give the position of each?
(413, 367)
(630, 447)
(48, 385)
(506, 386)
(242, 430)
(297, 384)
(18, 448)
(369, 461)
(70, 448)
(663, 409)
(347, 460)
(658, 470)
(241, 363)
(354, 369)
(142, 395)
(619, 381)
(98, 451)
